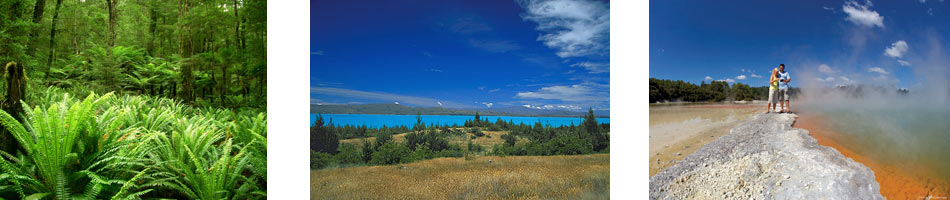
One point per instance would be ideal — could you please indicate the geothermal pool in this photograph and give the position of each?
(907, 145)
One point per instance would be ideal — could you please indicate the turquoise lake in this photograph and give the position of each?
(409, 120)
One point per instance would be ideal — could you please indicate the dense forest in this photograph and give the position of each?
(662, 90)
(378, 146)
(130, 99)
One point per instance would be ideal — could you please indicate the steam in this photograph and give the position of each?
(864, 102)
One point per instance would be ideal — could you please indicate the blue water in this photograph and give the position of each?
(409, 120)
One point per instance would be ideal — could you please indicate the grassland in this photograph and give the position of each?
(488, 141)
(482, 177)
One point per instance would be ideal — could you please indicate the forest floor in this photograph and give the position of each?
(482, 177)
(679, 130)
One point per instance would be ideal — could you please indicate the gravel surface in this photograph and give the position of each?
(765, 158)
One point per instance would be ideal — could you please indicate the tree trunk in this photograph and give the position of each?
(112, 21)
(153, 25)
(38, 9)
(52, 39)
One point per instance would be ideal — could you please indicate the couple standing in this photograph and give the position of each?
(778, 89)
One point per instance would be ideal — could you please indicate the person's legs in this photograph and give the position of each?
(788, 107)
(770, 106)
(783, 99)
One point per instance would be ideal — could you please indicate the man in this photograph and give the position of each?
(783, 80)
(773, 91)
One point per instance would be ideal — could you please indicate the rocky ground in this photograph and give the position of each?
(765, 158)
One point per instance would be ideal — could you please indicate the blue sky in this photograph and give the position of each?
(461, 54)
(822, 43)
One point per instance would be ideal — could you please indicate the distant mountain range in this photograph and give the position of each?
(394, 109)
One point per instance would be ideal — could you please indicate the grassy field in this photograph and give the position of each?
(482, 177)
(488, 141)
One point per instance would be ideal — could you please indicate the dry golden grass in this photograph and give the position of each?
(483, 177)
(488, 141)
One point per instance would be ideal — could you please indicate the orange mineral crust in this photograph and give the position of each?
(897, 181)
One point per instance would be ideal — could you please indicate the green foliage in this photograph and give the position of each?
(320, 160)
(510, 140)
(135, 147)
(390, 153)
(422, 152)
(322, 139)
(477, 132)
(432, 140)
(349, 154)
(475, 147)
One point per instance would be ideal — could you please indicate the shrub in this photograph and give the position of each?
(477, 132)
(390, 153)
(510, 140)
(349, 154)
(383, 138)
(475, 147)
(422, 152)
(320, 160)
(435, 142)
(450, 153)
(569, 145)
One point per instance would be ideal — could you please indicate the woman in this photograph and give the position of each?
(773, 91)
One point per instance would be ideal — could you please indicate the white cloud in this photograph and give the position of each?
(488, 104)
(930, 11)
(382, 97)
(585, 92)
(397, 103)
(878, 70)
(755, 76)
(593, 68)
(828, 79)
(708, 78)
(828, 8)
(481, 87)
(575, 28)
(434, 70)
(556, 106)
(897, 49)
(862, 15)
(495, 90)
(903, 62)
(740, 77)
(845, 79)
(319, 53)
(823, 68)
(439, 102)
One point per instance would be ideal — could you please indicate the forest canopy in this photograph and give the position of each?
(207, 52)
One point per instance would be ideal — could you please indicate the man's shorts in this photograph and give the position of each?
(783, 94)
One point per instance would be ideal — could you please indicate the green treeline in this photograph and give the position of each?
(662, 90)
(427, 142)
